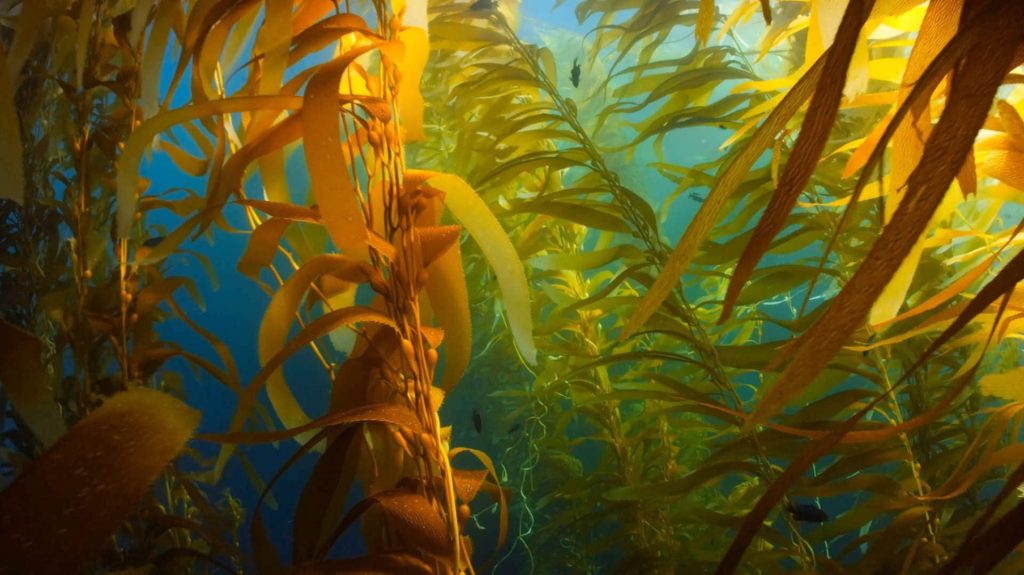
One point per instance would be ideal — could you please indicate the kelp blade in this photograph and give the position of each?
(63, 508)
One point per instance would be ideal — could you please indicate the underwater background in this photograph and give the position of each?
(576, 286)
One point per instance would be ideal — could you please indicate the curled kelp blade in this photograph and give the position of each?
(63, 508)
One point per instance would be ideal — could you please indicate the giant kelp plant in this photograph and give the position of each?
(798, 351)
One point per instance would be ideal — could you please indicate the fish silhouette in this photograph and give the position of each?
(807, 513)
(478, 422)
(574, 76)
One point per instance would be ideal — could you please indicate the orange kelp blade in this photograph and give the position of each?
(63, 508)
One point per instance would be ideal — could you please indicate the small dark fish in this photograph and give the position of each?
(516, 427)
(478, 422)
(696, 197)
(153, 242)
(574, 76)
(807, 513)
(483, 5)
(722, 127)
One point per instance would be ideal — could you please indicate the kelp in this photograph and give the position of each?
(653, 401)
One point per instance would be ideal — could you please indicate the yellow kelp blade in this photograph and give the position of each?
(449, 298)
(63, 508)
(329, 172)
(481, 224)
(938, 27)
(410, 100)
(24, 382)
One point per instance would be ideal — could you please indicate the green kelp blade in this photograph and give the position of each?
(62, 509)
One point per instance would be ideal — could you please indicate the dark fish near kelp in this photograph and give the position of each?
(483, 5)
(807, 513)
(478, 422)
(574, 76)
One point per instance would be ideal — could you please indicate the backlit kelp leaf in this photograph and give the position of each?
(61, 511)
(705, 21)
(502, 504)
(369, 413)
(449, 299)
(262, 247)
(813, 136)
(1006, 166)
(481, 224)
(326, 160)
(283, 210)
(410, 101)
(1008, 385)
(954, 289)
(947, 147)
(142, 136)
(939, 25)
(726, 183)
(13, 183)
(25, 382)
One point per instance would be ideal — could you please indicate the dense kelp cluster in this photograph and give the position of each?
(799, 352)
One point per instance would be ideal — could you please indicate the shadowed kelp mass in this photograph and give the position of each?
(397, 286)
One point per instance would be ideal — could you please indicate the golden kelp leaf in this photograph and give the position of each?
(24, 381)
(410, 101)
(262, 247)
(435, 241)
(283, 210)
(944, 153)
(725, 184)
(63, 508)
(705, 22)
(502, 504)
(328, 168)
(1008, 385)
(949, 292)
(813, 136)
(481, 224)
(468, 482)
(413, 520)
(142, 136)
(449, 298)
(939, 26)
(1007, 166)
(13, 182)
